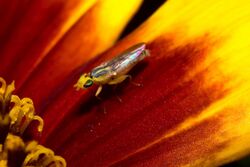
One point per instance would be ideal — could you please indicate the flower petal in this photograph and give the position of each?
(193, 108)
(30, 29)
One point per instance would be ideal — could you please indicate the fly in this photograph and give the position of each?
(114, 71)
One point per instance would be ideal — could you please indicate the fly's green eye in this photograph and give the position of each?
(88, 83)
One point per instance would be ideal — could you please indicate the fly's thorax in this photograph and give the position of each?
(101, 74)
(101, 80)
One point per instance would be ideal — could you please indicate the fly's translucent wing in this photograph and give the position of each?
(122, 63)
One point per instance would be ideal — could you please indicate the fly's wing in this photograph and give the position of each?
(112, 67)
(126, 58)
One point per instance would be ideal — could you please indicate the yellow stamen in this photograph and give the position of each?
(14, 120)
(22, 114)
(40, 120)
(39, 155)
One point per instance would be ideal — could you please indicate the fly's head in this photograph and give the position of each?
(84, 82)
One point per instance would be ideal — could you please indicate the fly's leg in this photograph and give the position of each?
(119, 80)
(98, 91)
(114, 89)
(135, 83)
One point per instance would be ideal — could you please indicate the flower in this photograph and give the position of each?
(193, 108)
